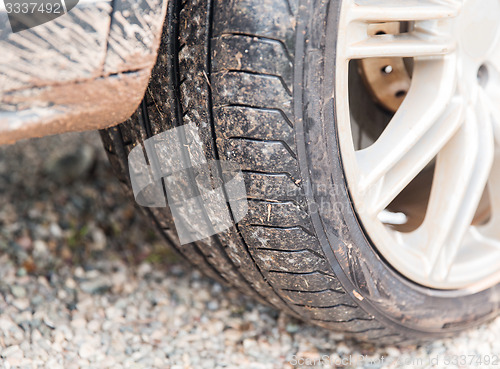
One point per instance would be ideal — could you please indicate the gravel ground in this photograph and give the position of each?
(86, 283)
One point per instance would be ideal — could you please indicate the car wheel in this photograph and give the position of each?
(367, 133)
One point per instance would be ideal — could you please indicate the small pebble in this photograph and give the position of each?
(18, 291)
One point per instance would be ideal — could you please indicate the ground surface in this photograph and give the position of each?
(86, 283)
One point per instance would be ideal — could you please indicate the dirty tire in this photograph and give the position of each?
(249, 74)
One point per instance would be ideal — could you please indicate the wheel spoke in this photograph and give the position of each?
(415, 44)
(491, 97)
(423, 112)
(493, 105)
(461, 174)
(397, 10)
(493, 226)
(430, 34)
(416, 159)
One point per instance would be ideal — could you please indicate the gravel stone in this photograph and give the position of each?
(18, 291)
(86, 351)
(96, 285)
(21, 304)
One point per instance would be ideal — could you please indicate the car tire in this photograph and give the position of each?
(252, 75)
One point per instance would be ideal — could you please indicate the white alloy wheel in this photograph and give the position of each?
(449, 119)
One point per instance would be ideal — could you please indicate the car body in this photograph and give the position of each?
(86, 69)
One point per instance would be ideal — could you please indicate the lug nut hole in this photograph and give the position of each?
(482, 75)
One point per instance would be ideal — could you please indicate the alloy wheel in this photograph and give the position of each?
(449, 119)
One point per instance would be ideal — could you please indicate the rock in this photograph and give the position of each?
(292, 328)
(18, 291)
(70, 283)
(213, 305)
(21, 304)
(94, 326)
(13, 355)
(78, 323)
(25, 243)
(112, 313)
(49, 323)
(86, 350)
(99, 239)
(11, 351)
(40, 249)
(55, 230)
(233, 335)
(71, 165)
(79, 272)
(98, 285)
(144, 268)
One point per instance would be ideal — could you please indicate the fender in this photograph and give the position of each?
(87, 69)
